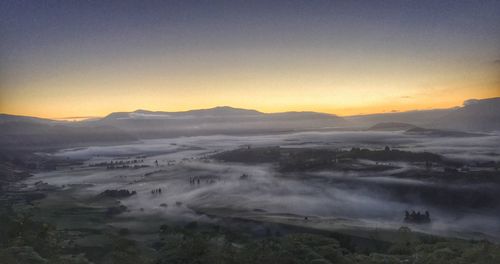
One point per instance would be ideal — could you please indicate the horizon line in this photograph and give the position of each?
(83, 118)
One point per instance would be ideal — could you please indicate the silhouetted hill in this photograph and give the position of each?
(19, 131)
(28, 132)
(5, 118)
(420, 131)
(33, 134)
(218, 120)
(220, 111)
(475, 115)
(417, 117)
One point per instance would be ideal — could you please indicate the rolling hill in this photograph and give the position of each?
(23, 131)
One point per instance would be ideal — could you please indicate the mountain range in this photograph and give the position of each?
(18, 131)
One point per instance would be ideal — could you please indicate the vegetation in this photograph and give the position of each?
(24, 240)
(202, 246)
(306, 159)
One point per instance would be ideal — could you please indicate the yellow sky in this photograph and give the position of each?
(345, 58)
(333, 83)
(340, 101)
(322, 87)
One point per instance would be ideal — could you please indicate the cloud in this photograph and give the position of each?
(470, 102)
(365, 198)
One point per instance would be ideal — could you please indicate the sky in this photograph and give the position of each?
(81, 58)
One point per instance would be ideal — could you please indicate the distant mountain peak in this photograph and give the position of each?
(142, 111)
(225, 110)
(226, 107)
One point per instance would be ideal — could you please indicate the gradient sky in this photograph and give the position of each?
(88, 58)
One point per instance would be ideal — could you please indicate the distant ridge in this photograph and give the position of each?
(211, 112)
(217, 120)
(483, 114)
(415, 117)
(410, 129)
(219, 111)
(475, 116)
(6, 118)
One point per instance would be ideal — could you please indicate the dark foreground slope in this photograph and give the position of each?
(72, 231)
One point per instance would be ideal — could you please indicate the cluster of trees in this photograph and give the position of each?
(391, 155)
(308, 159)
(117, 193)
(120, 164)
(250, 155)
(197, 245)
(302, 159)
(26, 241)
(417, 217)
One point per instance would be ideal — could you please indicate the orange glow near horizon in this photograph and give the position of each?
(300, 84)
(345, 58)
(70, 109)
(341, 91)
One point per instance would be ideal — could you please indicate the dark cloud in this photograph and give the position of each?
(470, 102)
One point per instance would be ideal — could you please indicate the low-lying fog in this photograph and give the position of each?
(266, 194)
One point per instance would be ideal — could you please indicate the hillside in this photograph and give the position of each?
(33, 135)
(218, 120)
(475, 115)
